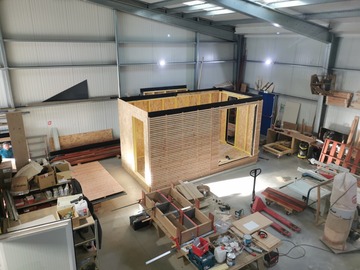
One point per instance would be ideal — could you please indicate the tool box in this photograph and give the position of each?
(206, 261)
(140, 221)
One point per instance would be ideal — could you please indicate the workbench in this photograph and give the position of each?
(292, 137)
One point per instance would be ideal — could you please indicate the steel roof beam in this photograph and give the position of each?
(288, 22)
(287, 4)
(332, 15)
(140, 9)
(162, 4)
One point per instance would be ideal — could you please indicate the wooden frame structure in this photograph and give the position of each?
(175, 215)
(183, 136)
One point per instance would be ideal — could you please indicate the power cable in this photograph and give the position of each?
(301, 247)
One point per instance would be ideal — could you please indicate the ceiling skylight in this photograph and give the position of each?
(222, 11)
(193, 3)
(213, 8)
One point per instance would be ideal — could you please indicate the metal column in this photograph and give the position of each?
(5, 73)
(116, 27)
(329, 64)
(196, 70)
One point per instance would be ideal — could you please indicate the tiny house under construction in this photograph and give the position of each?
(183, 136)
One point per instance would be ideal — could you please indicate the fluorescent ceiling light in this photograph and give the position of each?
(162, 62)
(222, 11)
(212, 8)
(193, 3)
(287, 4)
(276, 24)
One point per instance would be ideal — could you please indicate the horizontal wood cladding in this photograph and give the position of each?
(183, 135)
(181, 145)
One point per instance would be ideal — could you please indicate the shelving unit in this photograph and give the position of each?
(39, 199)
(85, 233)
(37, 147)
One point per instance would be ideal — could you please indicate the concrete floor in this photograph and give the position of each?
(123, 248)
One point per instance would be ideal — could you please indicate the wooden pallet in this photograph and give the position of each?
(341, 154)
(278, 149)
(289, 203)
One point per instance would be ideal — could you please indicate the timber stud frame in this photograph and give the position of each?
(187, 135)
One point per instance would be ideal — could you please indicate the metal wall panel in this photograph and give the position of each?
(57, 19)
(72, 118)
(213, 74)
(133, 28)
(135, 77)
(216, 51)
(46, 53)
(348, 53)
(295, 50)
(37, 85)
(340, 119)
(153, 53)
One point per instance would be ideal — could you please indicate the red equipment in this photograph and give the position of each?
(257, 205)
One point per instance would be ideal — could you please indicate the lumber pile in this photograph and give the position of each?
(84, 154)
(339, 98)
(355, 102)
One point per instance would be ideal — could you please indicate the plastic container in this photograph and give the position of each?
(66, 190)
(200, 246)
(82, 208)
(220, 254)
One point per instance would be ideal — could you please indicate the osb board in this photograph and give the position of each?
(252, 223)
(138, 133)
(80, 139)
(126, 114)
(96, 182)
(18, 138)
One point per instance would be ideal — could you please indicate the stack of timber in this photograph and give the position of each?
(355, 102)
(88, 153)
(192, 194)
(85, 147)
(339, 98)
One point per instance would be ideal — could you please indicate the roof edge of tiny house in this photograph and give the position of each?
(251, 98)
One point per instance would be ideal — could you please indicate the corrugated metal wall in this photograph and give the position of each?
(52, 45)
(347, 70)
(296, 59)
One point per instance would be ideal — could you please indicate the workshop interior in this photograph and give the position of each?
(175, 134)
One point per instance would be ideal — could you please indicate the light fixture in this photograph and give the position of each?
(162, 62)
(268, 61)
(276, 24)
(193, 3)
(212, 8)
(222, 11)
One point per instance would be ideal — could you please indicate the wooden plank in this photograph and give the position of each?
(353, 130)
(18, 138)
(80, 139)
(291, 112)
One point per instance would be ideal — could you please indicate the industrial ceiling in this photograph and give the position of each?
(317, 19)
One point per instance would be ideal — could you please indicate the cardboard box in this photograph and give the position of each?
(19, 186)
(47, 179)
(5, 173)
(63, 214)
(63, 171)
